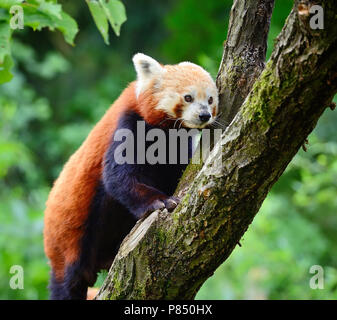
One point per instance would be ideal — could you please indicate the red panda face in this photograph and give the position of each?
(184, 93)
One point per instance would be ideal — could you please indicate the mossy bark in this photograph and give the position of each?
(169, 256)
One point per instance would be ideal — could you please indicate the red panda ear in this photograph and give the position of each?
(147, 69)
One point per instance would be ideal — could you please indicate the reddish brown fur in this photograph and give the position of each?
(68, 204)
(69, 201)
(178, 110)
(147, 108)
(214, 112)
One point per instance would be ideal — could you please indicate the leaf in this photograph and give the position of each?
(7, 4)
(115, 12)
(5, 70)
(51, 9)
(5, 35)
(68, 26)
(100, 18)
(4, 15)
(6, 61)
(34, 19)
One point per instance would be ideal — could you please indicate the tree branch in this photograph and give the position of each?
(169, 256)
(244, 53)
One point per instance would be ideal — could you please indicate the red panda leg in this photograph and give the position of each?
(72, 287)
(55, 288)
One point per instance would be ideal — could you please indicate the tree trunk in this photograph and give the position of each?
(169, 256)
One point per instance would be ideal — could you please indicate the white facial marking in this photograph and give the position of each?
(168, 102)
(200, 108)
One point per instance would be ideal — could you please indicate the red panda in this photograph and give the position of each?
(95, 201)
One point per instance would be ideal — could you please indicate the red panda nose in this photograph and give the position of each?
(204, 116)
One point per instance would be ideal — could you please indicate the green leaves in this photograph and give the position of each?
(115, 13)
(37, 14)
(107, 12)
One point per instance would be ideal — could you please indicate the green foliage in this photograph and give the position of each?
(37, 14)
(197, 31)
(40, 14)
(104, 11)
(59, 92)
(23, 191)
(6, 62)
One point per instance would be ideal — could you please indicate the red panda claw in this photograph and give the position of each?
(171, 203)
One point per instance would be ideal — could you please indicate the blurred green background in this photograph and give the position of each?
(59, 92)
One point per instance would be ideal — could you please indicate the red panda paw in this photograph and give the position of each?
(155, 205)
(169, 203)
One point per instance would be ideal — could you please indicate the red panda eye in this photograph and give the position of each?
(188, 98)
(210, 100)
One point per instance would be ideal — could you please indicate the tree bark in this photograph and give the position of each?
(169, 256)
(244, 53)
